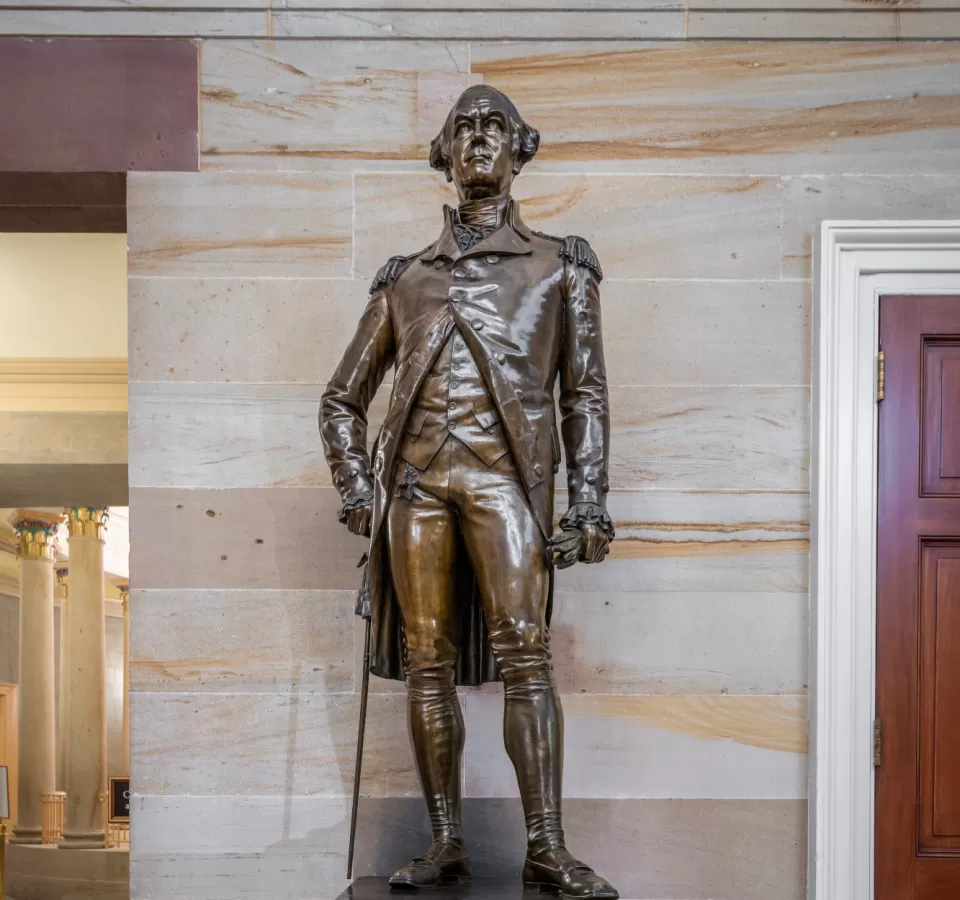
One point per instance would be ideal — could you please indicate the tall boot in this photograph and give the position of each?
(533, 734)
(437, 734)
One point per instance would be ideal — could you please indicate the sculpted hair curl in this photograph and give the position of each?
(526, 137)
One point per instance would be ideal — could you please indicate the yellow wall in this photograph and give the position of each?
(63, 295)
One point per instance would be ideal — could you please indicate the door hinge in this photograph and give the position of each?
(881, 375)
(877, 742)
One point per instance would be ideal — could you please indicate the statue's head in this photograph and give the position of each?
(483, 143)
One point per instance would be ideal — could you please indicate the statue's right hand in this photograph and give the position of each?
(359, 519)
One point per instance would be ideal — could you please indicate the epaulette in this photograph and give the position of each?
(390, 271)
(578, 251)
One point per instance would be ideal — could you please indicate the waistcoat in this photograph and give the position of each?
(453, 402)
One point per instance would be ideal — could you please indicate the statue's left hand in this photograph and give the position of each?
(588, 544)
(584, 536)
(358, 520)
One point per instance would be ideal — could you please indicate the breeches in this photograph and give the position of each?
(459, 504)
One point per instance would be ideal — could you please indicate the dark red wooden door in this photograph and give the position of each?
(918, 602)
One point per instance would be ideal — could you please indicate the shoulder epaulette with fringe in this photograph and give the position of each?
(390, 271)
(578, 251)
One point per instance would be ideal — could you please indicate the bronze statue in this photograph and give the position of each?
(458, 503)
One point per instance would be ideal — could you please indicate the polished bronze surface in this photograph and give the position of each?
(458, 498)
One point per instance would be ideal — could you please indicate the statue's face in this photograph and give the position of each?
(482, 146)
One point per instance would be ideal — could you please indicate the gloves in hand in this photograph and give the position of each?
(586, 531)
(357, 514)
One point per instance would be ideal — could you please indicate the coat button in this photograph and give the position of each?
(538, 469)
(438, 263)
(458, 345)
(459, 273)
(452, 404)
(452, 426)
(501, 358)
(454, 385)
(492, 258)
(478, 325)
(591, 479)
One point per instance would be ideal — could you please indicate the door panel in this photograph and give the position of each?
(939, 698)
(917, 826)
(941, 433)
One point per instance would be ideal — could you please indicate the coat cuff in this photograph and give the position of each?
(588, 514)
(588, 485)
(352, 479)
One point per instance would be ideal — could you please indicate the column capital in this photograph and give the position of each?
(87, 521)
(36, 533)
(124, 590)
(63, 574)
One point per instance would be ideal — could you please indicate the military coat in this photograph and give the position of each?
(527, 306)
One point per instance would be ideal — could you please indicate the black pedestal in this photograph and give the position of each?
(478, 889)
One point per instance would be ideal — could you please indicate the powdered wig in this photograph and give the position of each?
(526, 138)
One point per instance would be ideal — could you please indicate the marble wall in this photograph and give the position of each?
(698, 169)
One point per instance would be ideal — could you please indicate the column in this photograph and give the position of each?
(125, 596)
(62, 573)
(36, 532)
(85, 732)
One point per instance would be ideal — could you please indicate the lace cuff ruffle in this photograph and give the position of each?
(362, 499)
(587, 514)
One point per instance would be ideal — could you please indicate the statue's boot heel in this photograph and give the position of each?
(442, 864)
(557, 872)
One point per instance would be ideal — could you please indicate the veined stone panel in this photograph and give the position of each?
(931, 25)
(292, 103)
(603, 643)
(670, 438)
(809, 200)
(727, 107)
(774, 24)
(239, 224)
(706, 439)
(703, 642)
(642, 226)
(226, 641)
(655, 747)
(659, 516)
(655, 332)
(706, 332)
(493, 24)
(209, 539)
(194, 538)
(680, 643)
(269, 743)
(287, 846)
(304, 743)
(221, 329)
(711, 566)
(189, 434)
(284, 848)
(184, 22)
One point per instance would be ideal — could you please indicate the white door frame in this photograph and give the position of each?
(855, 262)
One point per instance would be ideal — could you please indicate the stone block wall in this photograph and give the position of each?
(697, 149)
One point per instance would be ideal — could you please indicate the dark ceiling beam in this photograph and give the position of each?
(99, 105)
(63, 202)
